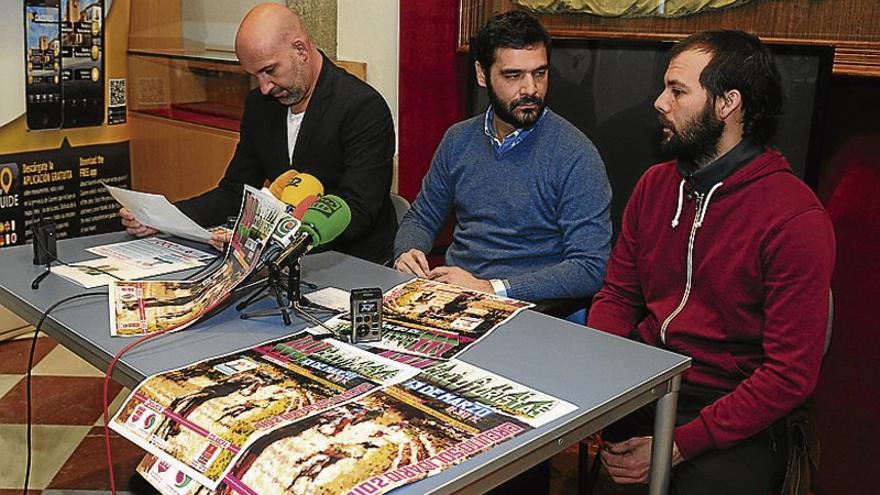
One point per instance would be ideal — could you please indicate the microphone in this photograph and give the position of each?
(300, 192)
(322, 222)
(284, 234)
(281, 182)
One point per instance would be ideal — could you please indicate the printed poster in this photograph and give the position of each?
(436, 320)
(146, 306)
(200, 418)
(441, 417)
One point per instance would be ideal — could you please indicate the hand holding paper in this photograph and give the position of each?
(154, 212)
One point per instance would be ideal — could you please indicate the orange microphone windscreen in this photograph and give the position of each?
(278, 184)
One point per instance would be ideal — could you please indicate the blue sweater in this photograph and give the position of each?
(537, 215)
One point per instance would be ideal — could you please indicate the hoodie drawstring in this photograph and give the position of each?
(702, 207)
(706, 203)
(680, 202)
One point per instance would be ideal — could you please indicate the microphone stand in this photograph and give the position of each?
(287, 293)
(274, 285)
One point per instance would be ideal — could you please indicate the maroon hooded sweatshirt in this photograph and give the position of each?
(736, 276)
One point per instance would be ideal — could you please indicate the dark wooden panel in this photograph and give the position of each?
(853, 26)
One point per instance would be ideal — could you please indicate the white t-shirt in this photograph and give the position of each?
(294, 121)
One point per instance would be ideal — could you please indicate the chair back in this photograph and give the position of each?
(401, 206)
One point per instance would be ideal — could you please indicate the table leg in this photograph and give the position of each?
(664, 425)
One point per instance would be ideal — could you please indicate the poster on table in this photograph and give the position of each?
(436, 320)
(146, 306)
(200, 418)
(448, 413)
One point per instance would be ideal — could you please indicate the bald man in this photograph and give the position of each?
(312, 116)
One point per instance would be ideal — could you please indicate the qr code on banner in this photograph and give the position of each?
(117, 93)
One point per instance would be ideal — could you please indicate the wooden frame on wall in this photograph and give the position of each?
(851, 26)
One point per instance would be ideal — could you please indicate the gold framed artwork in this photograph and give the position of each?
(851, 26)
(629, 8)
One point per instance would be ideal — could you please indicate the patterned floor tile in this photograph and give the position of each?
(14, 353)
(61, 361)
(18, 492)
(52, 446)
(57, 400)
(7, 382)
(9, 320)
(87, 466)
(114, 406)
(16, 332)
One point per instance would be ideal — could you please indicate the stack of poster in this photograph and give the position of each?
(449, 412)
(200, 418)
(436, 320)
(148, 306)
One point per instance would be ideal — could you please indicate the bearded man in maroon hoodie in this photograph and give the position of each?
(724, 256)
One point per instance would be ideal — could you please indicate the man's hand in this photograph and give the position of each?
(413, 262)
(630, 461)
(132, 226)
(219, 238)
(456, 276)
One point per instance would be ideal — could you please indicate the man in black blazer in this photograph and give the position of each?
(339, 127)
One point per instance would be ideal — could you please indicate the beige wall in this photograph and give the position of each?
(358, 30)
(12, 61)
(212, 23)
(368, 32)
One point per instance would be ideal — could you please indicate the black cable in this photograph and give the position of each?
(27, 471)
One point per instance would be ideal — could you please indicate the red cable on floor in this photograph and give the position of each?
(107, 376)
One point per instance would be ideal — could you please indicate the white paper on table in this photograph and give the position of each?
(151, 251)
(331, 298)
(155, 211)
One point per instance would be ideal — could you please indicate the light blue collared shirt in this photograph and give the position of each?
(512, 139)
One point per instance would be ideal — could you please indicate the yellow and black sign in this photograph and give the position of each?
(63, 186)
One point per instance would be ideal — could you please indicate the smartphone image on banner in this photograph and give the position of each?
(82, 62)
(42, 60)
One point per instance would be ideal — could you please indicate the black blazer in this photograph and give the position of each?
(346, 140)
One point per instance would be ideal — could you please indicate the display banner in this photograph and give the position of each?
(48, 170)
(63, 187)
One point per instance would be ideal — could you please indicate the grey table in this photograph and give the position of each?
(605, 376)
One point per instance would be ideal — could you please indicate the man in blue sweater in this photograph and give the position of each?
(529, 190)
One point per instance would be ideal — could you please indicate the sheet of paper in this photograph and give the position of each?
(331, 298)
(150, 252)
(157, 212)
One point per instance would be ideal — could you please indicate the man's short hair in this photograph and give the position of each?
(740, 61)
(515, 29)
